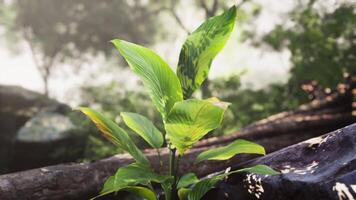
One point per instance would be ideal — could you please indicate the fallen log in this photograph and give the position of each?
(319, 168)
(83, 180)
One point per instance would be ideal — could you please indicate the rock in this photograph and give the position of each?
(34, 127)
(51, 138)
(17, 105)
(45, 126)
(319, 168)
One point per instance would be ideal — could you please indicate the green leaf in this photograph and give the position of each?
(137, 174)
(162, 84)
(187, 179)
(132, 175)
(226, 152)
(203, 186)
(142, 192)
(108, 186)
(167, 188)
(258, 169)
(183, 193)
(200, 49)
(144, 128)
(115, 134)
(190, 120)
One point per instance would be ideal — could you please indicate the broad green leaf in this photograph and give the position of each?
(183, 193)
(226, 152)
(132, 175)
(190, 120)
(142, 192)
(108, 186)
(258, 169)
(162, 84)
(200, 49)
(203, 186)
(137, 174)
(143, 127)
(115, 134)
(187, 179)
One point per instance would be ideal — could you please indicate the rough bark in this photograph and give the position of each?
(82, 180)
(319, 168)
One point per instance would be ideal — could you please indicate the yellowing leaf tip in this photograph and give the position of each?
(216, 102)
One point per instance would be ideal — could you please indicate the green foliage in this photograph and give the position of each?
(159, 79)
(205, 185)
(183, 193)
(187, 180)
(248, 106)
(113, 98)
(7, 22)
(144, 127)
(142, 192)
(185, 121)
(237, 147)
(97, 147)
(132, 175)
(110, 100)
(202, 187)
(201, 47)
(115, 134)
(190, 120)
(321, 44)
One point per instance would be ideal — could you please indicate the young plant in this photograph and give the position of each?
(185, 120)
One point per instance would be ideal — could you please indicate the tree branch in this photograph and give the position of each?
(173, 12)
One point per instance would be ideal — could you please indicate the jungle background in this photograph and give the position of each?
(281, 55)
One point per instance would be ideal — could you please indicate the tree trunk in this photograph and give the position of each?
(83, 180)
(45, 85)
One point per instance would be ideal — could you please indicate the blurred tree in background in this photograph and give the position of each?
(58, 31)
(7, 27)
(248, 105)
(322, 44)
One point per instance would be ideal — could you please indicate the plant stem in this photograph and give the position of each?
(172, 172)
(171, 161)
(160, 159)
(176, 172)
